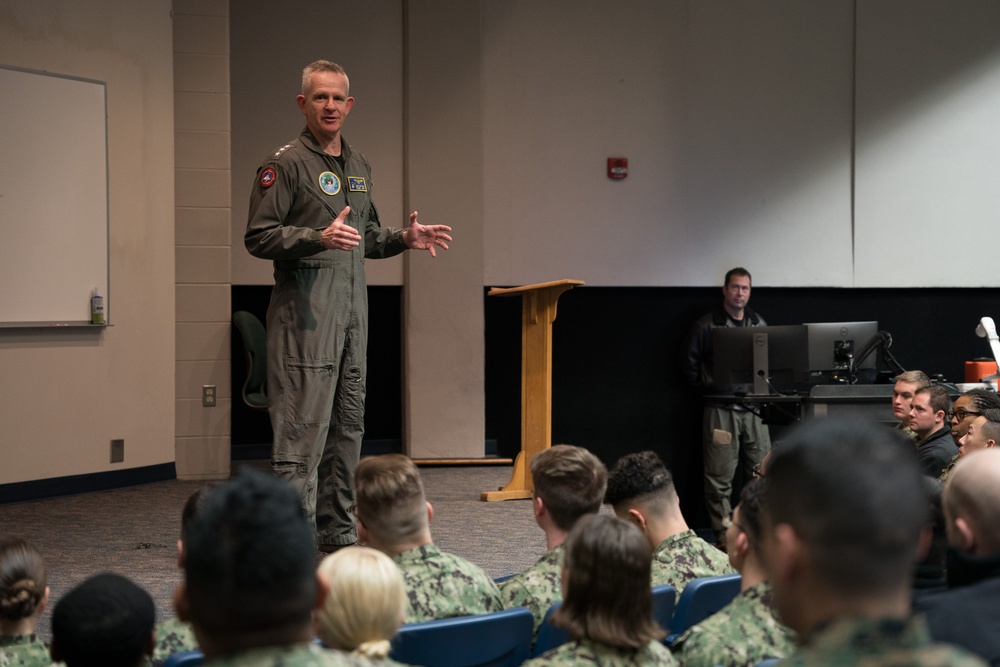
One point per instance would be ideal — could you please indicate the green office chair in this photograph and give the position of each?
(255, 343)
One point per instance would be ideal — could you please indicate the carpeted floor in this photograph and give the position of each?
(134, 531)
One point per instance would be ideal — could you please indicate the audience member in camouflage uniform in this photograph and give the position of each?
(106, 620)
(906, 385)
(747, 630)
(641, 491)
(174, 635)
(569, 482)
(23, 594)
(607, 601)
(394, 517)
(365, 603)
(843, 511)
(250, 584)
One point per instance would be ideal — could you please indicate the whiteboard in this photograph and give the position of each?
(53, 198)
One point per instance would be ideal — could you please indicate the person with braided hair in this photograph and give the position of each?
(23, 596)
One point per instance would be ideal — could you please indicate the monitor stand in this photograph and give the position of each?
(761, 372)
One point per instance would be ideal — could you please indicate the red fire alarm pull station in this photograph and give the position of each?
(617, 168)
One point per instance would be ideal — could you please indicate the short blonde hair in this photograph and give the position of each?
(366, 603)
(390, 498)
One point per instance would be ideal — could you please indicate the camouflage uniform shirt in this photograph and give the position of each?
(538, 587)
(172, 636)
(293, 655)
(876, 643)
(442, 585)
(587, 652)
(685, 556)
(23, 651)
(947, 469)
(742, 633)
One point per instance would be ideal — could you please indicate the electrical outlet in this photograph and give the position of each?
(117, 451)
(208, 395)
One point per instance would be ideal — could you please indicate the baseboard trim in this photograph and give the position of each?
(98, 481)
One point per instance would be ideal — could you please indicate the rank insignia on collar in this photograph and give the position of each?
(356, 184)
(329, 183)
(267, 178)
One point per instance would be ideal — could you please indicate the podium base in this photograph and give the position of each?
(513, 494)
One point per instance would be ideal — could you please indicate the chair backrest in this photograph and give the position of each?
(549, 636)
(497, 639)
(192, 658)
(255, 343)
(700, 599)
(664, 598)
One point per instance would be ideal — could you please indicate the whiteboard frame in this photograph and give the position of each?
(62, 314)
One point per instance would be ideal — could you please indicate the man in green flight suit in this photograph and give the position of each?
(311, 213)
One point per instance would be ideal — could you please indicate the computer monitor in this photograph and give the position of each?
(832, 348)
(760, 360)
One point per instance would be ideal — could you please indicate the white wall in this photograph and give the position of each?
(270, 43)
(66, 394)
(928, 142)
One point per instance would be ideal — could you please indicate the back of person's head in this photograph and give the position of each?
(971, 503)
(390, 498)
(918, 378)
(23, 580)
(606, 591)
(570, 481)
(106, 621)
(366, 603)
(641, 478)
(937, 397)
(249, 565)
(853, 494)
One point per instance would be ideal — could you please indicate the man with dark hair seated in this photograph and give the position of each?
(843, 513)
(746, 630)
(250, 583)
(929, 418)
(569, 483)
(106, 621)
(641, 491)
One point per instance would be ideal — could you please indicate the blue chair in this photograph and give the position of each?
(768, 662)
(700, 599)
(549, 636)
(185, 659)
(497, 639)
(664, 597)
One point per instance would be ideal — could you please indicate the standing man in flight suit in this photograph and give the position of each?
(311, 213)
(731, 434)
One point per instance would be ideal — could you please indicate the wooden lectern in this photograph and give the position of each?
(538, 311)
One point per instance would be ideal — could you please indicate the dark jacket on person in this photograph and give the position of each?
(935, 452)
(967, 613)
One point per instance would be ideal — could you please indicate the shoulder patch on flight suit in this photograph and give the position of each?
(357, 184)
(267, 178)
(329, 183)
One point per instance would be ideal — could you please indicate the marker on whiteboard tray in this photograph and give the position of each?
(96, 308)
